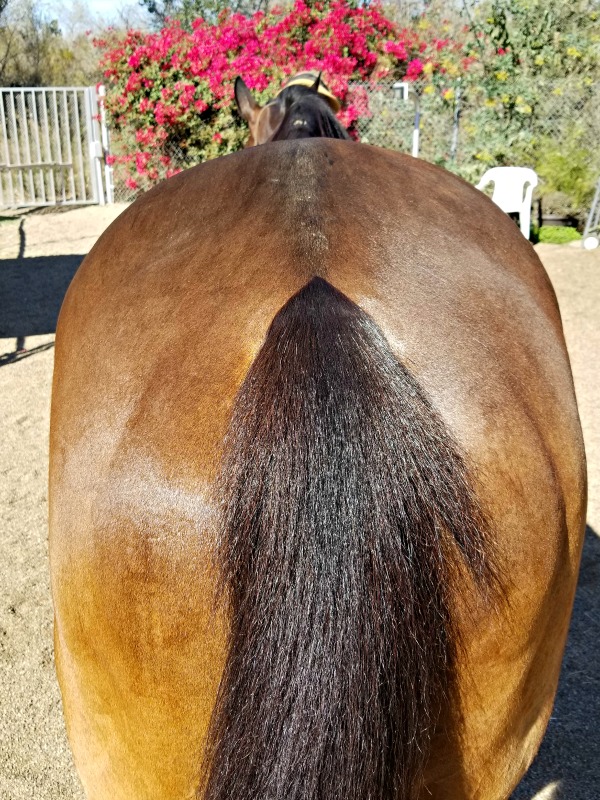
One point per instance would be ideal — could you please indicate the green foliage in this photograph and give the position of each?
(537, 67)
(555, 234)
(549, 38)
(186, 11)
(566, 166)
(27, 40)
(33, 51)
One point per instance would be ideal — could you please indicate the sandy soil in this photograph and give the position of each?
(38, 256)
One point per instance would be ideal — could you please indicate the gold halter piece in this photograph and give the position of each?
(308, 79)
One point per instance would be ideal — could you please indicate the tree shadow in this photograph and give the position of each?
(32, 291)
(568, 755)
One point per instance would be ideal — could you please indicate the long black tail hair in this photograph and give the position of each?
(348, 512)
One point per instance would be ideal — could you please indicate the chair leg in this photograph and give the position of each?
(525, 222)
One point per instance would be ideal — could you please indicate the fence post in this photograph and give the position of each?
(417, 125)
(403, 91)
(95, 145)
(108, 170)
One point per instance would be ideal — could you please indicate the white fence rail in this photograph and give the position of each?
(51, 147)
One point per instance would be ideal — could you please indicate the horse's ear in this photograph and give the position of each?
(247, 105)
(275, 115)
(317, 84)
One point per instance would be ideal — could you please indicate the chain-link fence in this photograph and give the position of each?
(552, 127)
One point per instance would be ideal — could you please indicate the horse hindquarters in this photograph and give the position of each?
(333, 478)
(347, 506)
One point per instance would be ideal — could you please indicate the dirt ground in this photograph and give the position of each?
(39, 254)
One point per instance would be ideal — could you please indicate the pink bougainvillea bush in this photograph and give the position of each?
(170, 94)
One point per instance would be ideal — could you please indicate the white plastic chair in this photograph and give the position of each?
(513, 190)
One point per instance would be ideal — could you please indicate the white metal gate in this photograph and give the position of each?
(51, 147)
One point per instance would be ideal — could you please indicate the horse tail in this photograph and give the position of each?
(347, 513)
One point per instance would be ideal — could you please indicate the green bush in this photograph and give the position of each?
(554, 234)
(568, 166)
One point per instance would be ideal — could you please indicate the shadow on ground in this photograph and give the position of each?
(569, 753)
(32, 291)
(20, 354)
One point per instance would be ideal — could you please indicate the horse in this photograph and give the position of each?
(317, 481)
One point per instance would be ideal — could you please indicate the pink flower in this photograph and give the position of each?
(141, 162)
(145, 136)
(414, 69)
(396, 49)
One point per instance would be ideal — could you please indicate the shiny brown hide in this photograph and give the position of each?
(155, 337)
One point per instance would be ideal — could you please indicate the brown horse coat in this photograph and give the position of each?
(156, 335)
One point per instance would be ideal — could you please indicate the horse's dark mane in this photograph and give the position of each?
(307, 115)
(348, 513)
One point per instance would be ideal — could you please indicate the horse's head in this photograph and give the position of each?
(303, 108)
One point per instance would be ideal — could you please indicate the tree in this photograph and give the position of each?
(37, 50)
(26, 40)
(186, 11)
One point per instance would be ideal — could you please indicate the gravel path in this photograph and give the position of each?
(38, 256)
